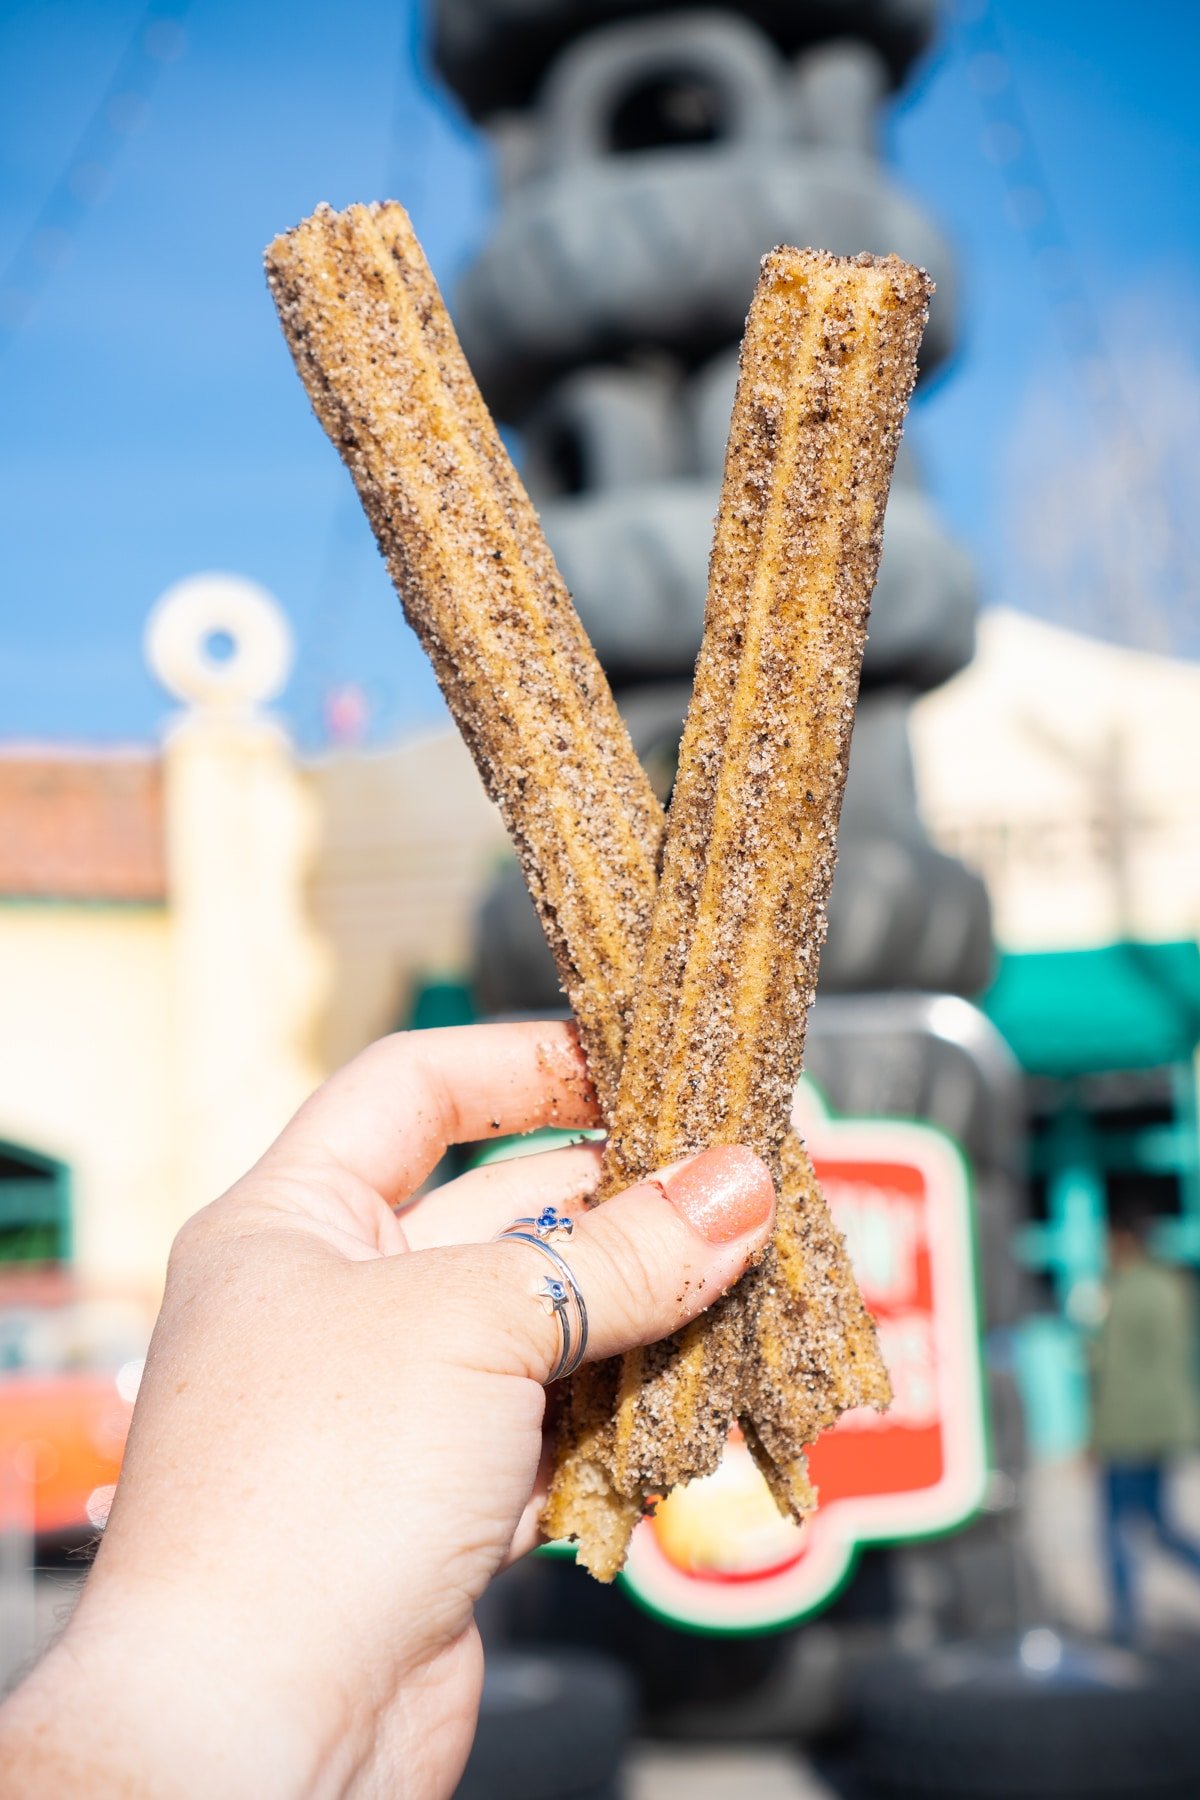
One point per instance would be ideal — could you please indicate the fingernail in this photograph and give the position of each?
(722, 1193)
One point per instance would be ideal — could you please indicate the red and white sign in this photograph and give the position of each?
(717, 1556)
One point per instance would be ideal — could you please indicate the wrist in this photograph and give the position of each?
(153, 1696)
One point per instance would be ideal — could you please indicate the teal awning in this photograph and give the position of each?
(438, 1002)
(1086, 1012)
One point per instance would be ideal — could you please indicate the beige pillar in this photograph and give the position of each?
(247, 970)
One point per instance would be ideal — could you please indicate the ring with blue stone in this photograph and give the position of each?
(550, 1223)
(559, 1291)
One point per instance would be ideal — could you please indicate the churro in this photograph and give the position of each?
(717, 1037)
(379, 357)
(376, 350)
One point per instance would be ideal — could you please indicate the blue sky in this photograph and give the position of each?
(151, 424)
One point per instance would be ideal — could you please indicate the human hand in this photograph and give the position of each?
(338, 1440)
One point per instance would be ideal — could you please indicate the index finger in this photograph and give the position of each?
(389, 1115)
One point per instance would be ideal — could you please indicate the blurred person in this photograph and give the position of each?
(339, 1436)
(1146, 1406)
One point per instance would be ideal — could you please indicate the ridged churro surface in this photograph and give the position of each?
(377, 352)
(716, 1044)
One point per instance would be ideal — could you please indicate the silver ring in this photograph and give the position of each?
(559, 1292)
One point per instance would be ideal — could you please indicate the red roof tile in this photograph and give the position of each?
(81, 827)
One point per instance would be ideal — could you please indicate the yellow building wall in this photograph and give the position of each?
(156, 1051)
(86, 1075)
(248, 971)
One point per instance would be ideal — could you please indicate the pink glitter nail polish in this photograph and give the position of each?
(722, 1193)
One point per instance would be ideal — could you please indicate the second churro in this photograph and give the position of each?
(716, 1045)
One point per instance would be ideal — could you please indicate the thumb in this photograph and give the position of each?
(646, 1262)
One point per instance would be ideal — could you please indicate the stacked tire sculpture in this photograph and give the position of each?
(649, 155)
(652, 154)
(495, 52)
(660, 158)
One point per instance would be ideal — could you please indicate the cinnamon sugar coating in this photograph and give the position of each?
(717, 1038)
(376, 350)
(372, 341)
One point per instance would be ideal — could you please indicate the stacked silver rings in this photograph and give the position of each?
(560, 1291)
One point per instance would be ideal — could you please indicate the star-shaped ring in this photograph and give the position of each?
(559, 1292)
(555, 1293)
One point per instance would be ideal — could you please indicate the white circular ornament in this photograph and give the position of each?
(219, 642)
